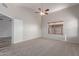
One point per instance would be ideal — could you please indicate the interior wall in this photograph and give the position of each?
(70, 16)
(32, 26)
(31, 21)
(17, 30)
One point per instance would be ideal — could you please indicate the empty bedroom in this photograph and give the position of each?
(39, 29)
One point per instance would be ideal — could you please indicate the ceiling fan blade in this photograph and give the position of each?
(5, 5)
(47, 10)
(46, 13)
(36, 12)
(39, 9)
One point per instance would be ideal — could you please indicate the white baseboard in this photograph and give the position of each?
(25, 40)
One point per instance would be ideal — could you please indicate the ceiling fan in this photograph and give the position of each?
(42, 12)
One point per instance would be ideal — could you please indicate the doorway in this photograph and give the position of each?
(5, 31)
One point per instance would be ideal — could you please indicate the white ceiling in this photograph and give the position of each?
(52, 6)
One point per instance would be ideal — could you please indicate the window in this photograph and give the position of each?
(55, 27)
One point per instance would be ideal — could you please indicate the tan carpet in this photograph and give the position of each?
(41, 47)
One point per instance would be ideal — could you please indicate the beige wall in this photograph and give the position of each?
(31, 21)
(17, 31)
(70, 16)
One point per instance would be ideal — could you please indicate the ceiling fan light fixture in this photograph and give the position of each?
(41, 13)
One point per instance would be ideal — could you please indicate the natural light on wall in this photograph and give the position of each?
(59, 8)
(72, 27)
(32, 28)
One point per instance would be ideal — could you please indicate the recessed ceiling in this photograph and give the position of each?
(52, 6)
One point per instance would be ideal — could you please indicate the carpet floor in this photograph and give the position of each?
(41, 47)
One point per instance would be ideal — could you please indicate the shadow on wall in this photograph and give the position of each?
(73, 25)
